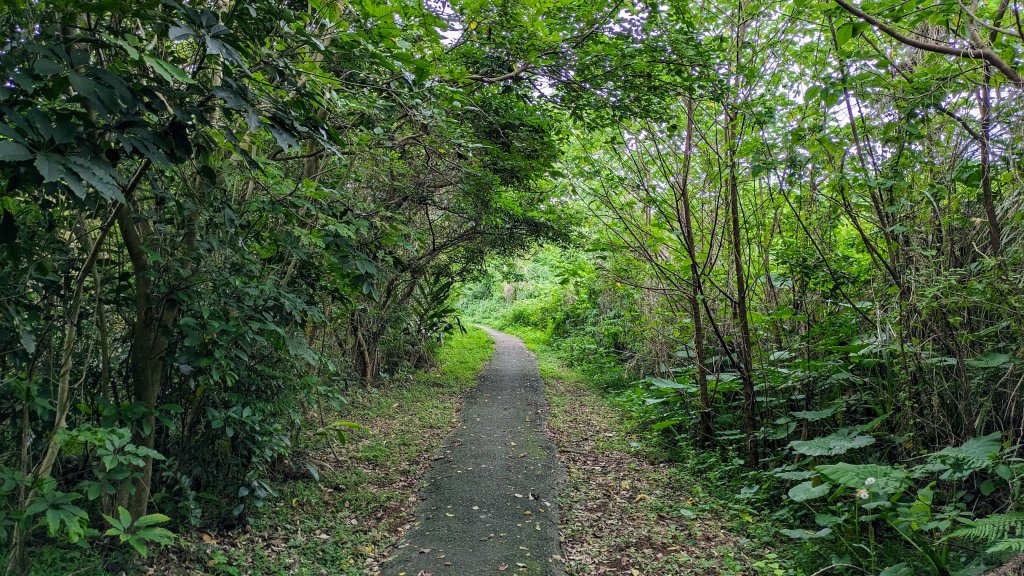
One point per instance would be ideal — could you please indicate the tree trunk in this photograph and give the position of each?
(744, 351)
(147, 368)
(154, 320)
(683, 214)
(987, 197)
(744, 347)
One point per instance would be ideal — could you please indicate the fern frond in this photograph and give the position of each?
(1013, 545)
(994, 529)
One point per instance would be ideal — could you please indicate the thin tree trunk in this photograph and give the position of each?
(744, 348)
(685, 218)
(154, 320)
(985, 145)
(744, 351)
(16, 558)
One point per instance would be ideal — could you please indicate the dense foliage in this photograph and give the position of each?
(217, 217)
(801, 230)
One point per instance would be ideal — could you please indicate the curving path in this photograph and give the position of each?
(488, 502)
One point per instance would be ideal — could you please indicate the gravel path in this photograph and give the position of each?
(488, 504)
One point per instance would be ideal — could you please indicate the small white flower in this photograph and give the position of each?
(870, 480)
(863, 494)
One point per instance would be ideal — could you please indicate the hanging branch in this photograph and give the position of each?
(972, 52)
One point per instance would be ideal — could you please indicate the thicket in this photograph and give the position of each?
(803, 244)
(219, 217)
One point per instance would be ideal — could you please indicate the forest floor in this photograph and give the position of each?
(346, 523)
(626, 508)
(449, 480)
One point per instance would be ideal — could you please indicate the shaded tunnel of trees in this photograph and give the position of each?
(796, 222)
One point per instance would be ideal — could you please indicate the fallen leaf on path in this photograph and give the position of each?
(607, 523)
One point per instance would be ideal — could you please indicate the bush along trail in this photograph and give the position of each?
(627, 507)
(348, 520)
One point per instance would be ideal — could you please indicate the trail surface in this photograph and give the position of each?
(488, 502)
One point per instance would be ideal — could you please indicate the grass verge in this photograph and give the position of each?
(345, 523)
(627, 508)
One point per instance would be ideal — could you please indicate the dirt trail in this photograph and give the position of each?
(488, 505)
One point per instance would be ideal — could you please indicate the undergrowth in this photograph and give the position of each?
(719, 531)
(343, 522)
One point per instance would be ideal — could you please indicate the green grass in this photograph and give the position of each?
(343, 524)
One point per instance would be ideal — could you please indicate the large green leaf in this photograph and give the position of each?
(166, 70)
(98, 174)
(990, 360)
(671, 384)
(872, 477)
(978, 448)
(815, 415)
(50, 166)
(958, 462)
(809, 491)
(802, 534)
(832, 445)
(13, 152)
(901, 569)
